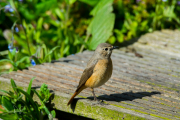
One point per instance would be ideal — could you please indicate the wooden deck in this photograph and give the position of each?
(145, 84)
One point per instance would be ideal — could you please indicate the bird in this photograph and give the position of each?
(98, 70)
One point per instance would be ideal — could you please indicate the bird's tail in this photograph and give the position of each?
(76, 93)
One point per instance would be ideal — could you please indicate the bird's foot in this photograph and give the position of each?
(98, 102)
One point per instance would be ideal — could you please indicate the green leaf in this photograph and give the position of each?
(29, 87)
(60, 14)
(6, 60)
(102, 30)
(66, 49)
(71, 1)
(7, 104)
(10, 55)
(0, 99)
(43, 6)
(44, 92)
(13, 53)
(103, 5)
(90, 2)
(8, 116)
(10, 94)
(40, 23)
(11, 69)
(5, 92)
(120, 36)
(53, 113)
(5, 52)
(22, 60)
(45, 50)
(37, 60)
(37, 94)
(112, 40)
(2, 110)
(14, 86)
(102, 24)
(43, 105)
(26, 13)
(50, 52)
(48, 113)
(31, 100)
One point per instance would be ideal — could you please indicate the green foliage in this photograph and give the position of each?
(134, 18)
(44, 92)
(15, 107)
(45, 54)
(39, 26)
(16, 60)
(90, 2)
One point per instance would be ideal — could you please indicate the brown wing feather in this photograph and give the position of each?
(86, 75)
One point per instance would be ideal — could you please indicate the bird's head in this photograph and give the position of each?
(105, 50)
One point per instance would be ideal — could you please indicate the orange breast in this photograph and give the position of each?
(102, 73)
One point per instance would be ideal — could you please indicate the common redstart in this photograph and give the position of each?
(98, 70)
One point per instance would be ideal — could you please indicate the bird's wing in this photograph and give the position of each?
(86, 74)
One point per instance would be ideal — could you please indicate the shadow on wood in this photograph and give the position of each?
(118, 97)
(127, 96)
(61, 115)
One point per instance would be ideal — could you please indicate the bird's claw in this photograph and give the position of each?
(98, 102)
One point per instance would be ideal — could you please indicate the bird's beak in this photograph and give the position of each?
(115, 47)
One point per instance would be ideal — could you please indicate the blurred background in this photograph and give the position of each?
(37, 31)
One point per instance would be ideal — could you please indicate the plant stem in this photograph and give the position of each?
(19, 17)
(27, 108)
(67, 13)
(26, 39)
(86, 39)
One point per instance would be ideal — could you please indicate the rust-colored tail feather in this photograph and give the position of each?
(76, 93)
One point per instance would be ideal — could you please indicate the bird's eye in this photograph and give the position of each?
(106, 49)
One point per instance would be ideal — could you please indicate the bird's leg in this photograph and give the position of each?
(95, 98)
